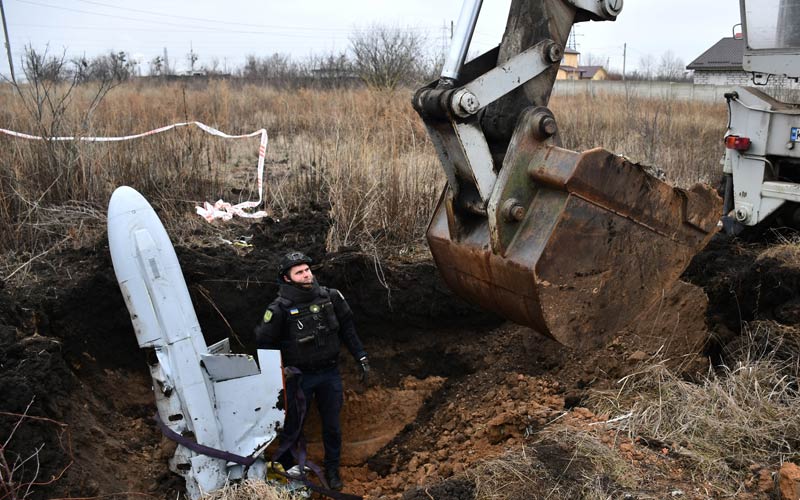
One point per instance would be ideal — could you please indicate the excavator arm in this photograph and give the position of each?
(571, 244)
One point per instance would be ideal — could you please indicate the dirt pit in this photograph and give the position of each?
(372, 417)
(454, 387)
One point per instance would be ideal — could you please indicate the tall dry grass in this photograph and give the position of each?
(683, 138)
(738, 419)
(363, 154)
(742, 416)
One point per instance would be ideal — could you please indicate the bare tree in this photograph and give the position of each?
(112, 68)
(276, 68)
(47, 97)
(156, 66)
(192, 58)
(44, 67)
(44, 97)
(213, 68)
(647, 67)
(332, 70)
(671, 67)
(590, 59)
(386, 57)
(430, 68)
(280, 70)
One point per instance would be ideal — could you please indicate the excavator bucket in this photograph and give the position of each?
(574, 245)
(588, 242)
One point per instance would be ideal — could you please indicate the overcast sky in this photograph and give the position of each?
(231, 29)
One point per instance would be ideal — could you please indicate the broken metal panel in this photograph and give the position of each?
(256, 411)
(221, 347)
(246, 408)
(207, 475)
(228, 366)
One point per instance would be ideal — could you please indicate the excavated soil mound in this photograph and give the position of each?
(746, 282)
(453, 386)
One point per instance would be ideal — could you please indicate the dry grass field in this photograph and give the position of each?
(362, 153)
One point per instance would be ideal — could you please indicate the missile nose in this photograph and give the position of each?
(124, 200)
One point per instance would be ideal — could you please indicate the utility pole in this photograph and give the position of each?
(8, 43)
(166, 63)
(444, 40)
(624, 58)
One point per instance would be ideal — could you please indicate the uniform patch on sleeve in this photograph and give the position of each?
(267, 316)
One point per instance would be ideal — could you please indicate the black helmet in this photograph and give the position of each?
(292, 259)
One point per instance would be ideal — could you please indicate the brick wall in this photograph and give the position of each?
(739, 78)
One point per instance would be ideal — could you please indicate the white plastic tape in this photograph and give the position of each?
(219, 210)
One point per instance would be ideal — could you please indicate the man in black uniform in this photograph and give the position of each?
(307, 322)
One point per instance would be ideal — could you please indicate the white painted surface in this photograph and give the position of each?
(227, 402)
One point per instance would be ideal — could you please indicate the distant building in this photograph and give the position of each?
(571, 69)
(722, 65)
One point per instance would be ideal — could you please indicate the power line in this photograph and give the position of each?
(234, 23)
(210, 28)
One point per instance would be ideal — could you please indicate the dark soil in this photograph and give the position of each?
(744, 283)
(450, 489)
(63, 339)
(68, 349)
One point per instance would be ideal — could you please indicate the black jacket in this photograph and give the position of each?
(278, 327)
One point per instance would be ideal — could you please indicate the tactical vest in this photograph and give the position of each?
(311, 339)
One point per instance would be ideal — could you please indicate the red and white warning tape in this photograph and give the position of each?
(219, 210)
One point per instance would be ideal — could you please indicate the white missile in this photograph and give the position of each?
(205, 394)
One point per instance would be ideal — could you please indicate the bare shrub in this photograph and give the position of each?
(19, 471)
(277, 69)
(386, 57)
(744, 414)
(110, 69)
(333, 70)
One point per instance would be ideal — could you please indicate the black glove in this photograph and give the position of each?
(364, 370)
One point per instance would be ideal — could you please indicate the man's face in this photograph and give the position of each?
(300, 275)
